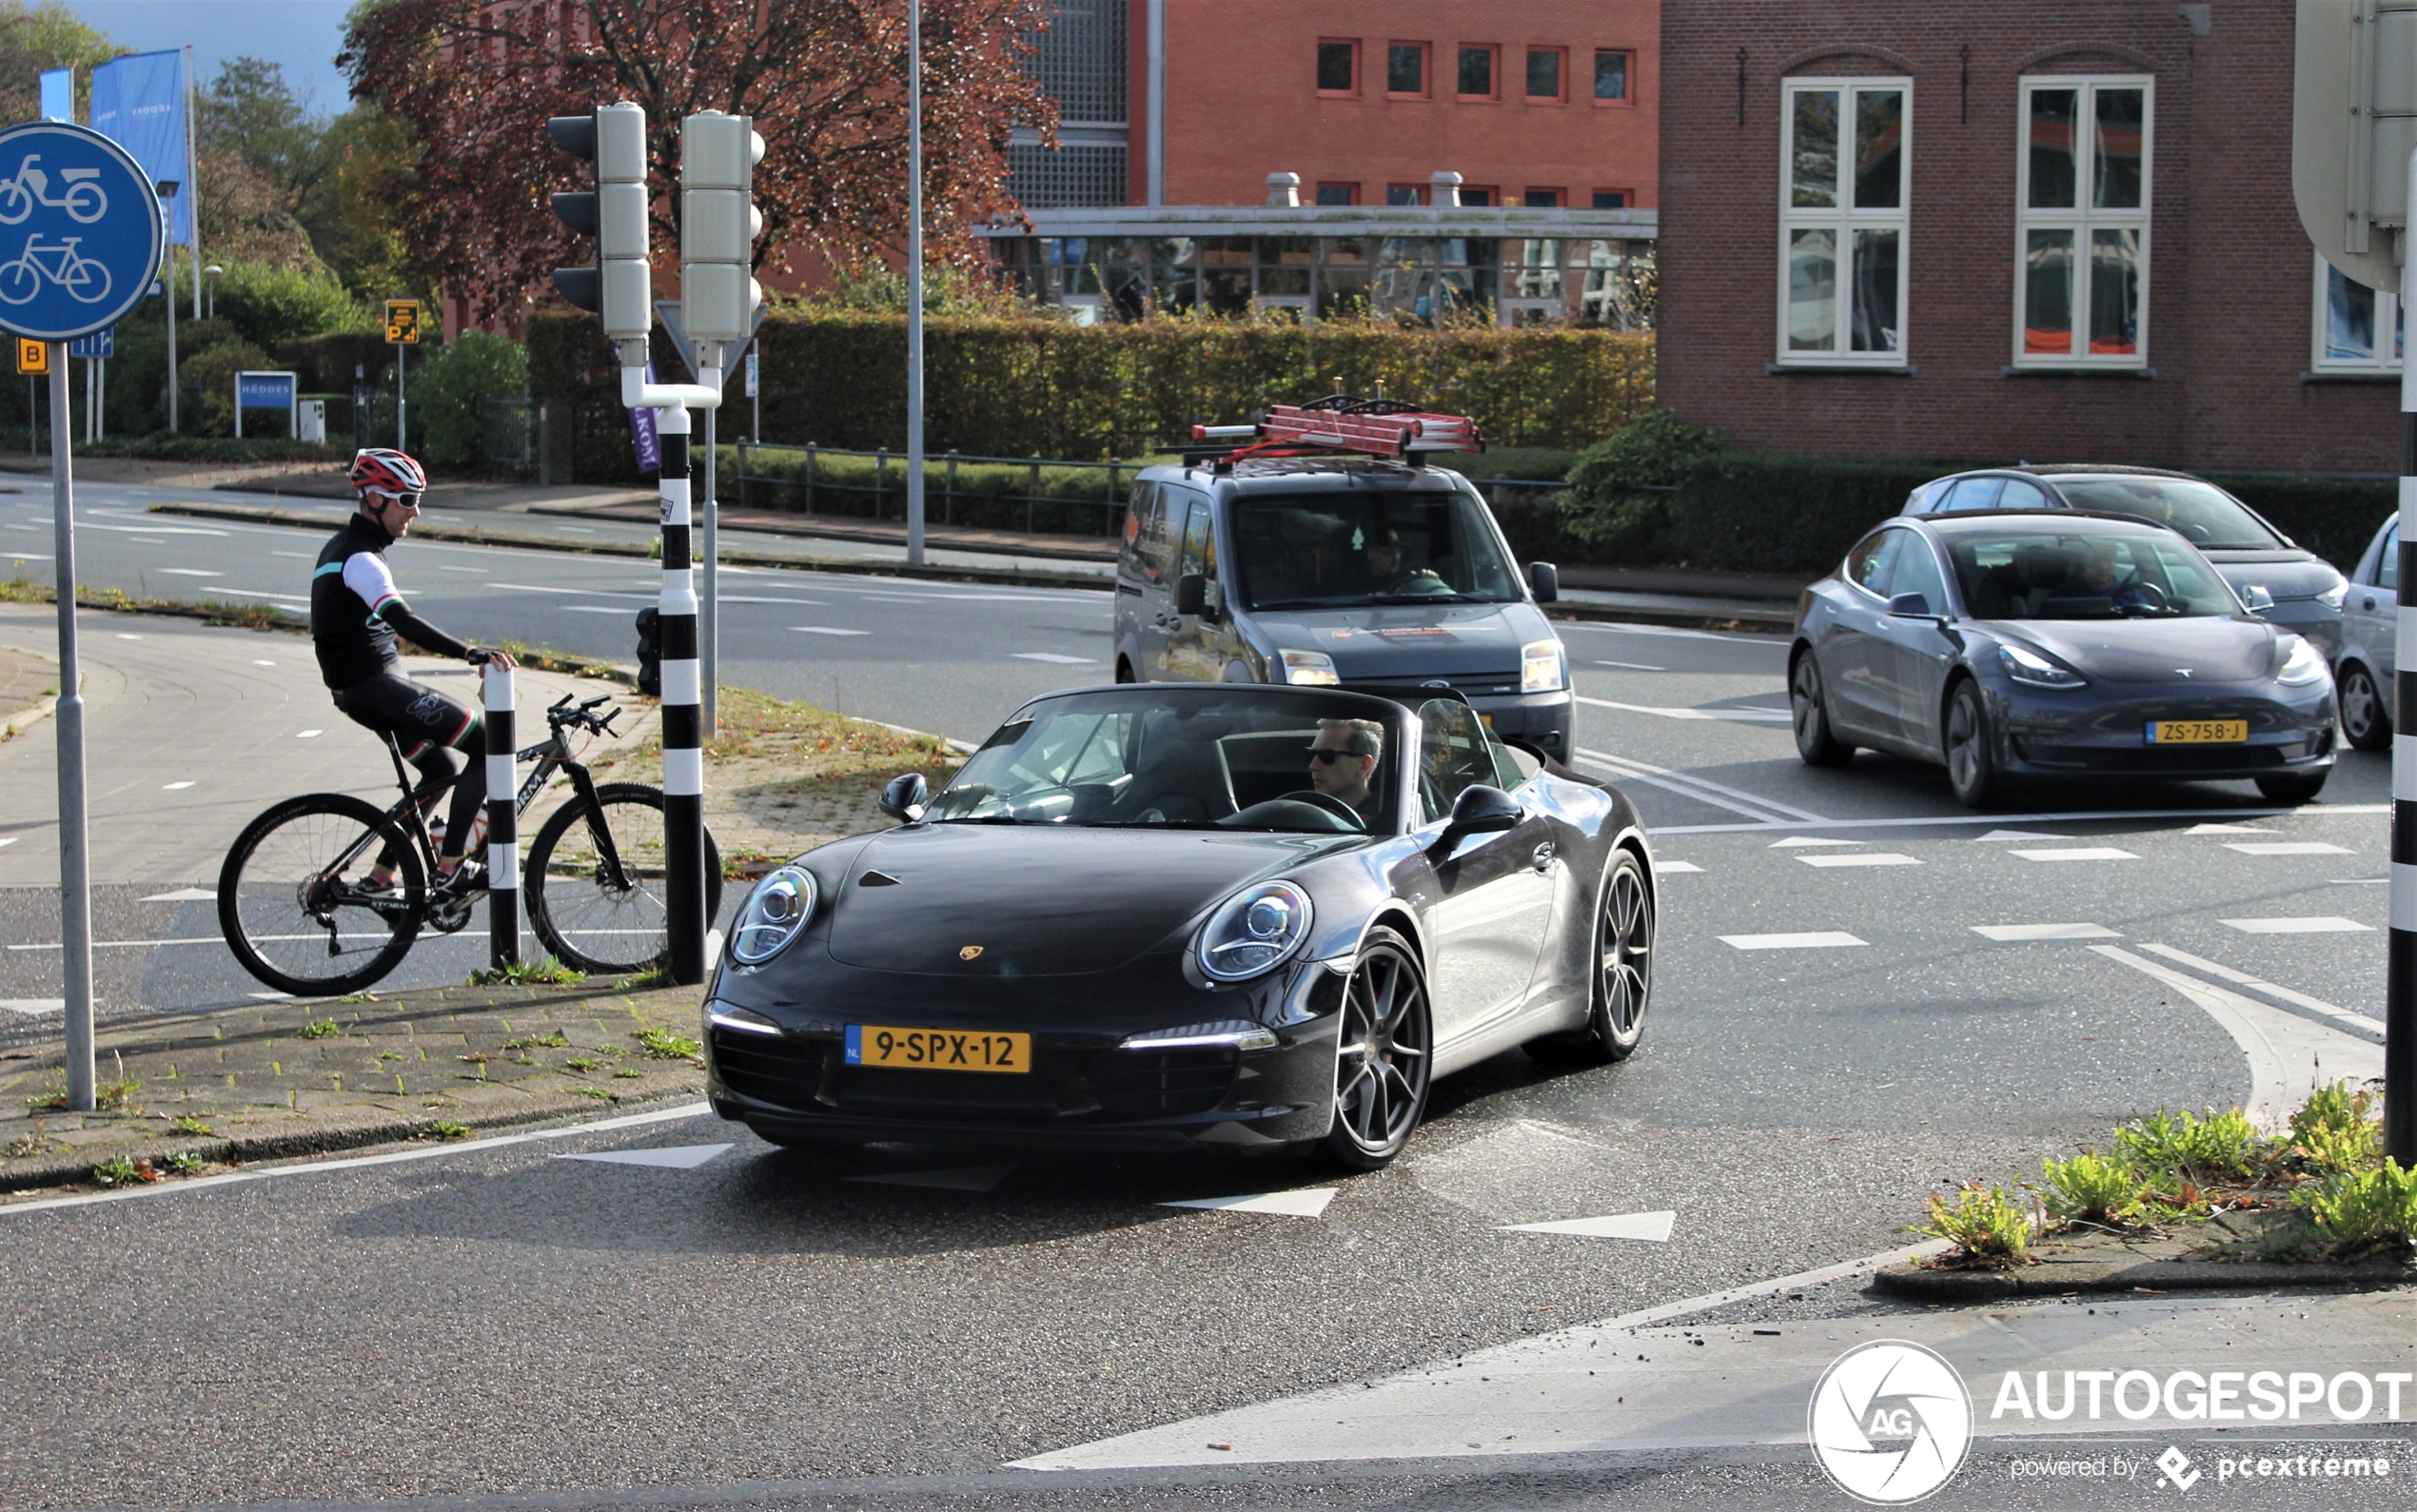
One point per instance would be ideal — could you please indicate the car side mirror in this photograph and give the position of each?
(906, 798)
(1545, 579)
(1191, 594)
(2256, 600)
(1911, 606)
(1479, 810)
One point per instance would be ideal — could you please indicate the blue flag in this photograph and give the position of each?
(138, 102)
(58, 96)
(642, 429)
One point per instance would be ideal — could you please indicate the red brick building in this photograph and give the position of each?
(1180, 119)
(2059, 230)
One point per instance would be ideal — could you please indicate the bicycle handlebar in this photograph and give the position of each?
(560, 715)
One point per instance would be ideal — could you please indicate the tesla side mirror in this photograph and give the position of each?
(2256, 600)
(1545, 579)
(906, 797)
(1191, 594)
(1911, 606)
(1479, 810)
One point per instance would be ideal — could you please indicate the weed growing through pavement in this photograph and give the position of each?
(629, 1071)
(33, 1143)
(1987, 1224)
(320, 1028)
(552, 1041)
(189, 1124)
(596, 1092)
(544, 971)
(185, 1163)
(665, 1046)
(582, 1063)
(53, 1095)
(124, 1172)
(447, 1128)
(658, 975)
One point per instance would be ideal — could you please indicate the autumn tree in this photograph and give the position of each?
(36, 38)
(824, 80)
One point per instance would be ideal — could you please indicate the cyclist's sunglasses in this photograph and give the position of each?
(408, 500)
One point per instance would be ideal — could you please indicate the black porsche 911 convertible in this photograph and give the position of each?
(1227, 916)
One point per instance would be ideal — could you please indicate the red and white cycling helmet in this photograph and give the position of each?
(387, 471)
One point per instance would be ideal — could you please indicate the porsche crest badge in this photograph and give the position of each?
(968, 952)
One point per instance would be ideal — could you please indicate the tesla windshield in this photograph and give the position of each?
(2079, 575)
(1234, 762)
(2202, 514)
(1335, 550)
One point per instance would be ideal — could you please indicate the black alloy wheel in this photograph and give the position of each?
(1815, 741)
(1622, 984)
(2365, 724)
(296, 903)
(1382, 1058)
(1972, 758)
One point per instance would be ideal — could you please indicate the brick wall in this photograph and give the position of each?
(2229, 280)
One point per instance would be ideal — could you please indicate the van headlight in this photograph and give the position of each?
(2302, 662)
(1542, 667)
(776, 912)
(1253, 932)
(1310, 668)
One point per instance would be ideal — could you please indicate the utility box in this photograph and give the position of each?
(310, 421)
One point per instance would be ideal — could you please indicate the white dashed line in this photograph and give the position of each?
(1631, 666)
(2016, 834)
(33, 1005)
(1674, 867)
(2009, 933)
(2078, 853)
(2299, 926)
(1863, 858)
(827, 630)
(191, 572)
(174, 787)
(1054, 660)
(1817, 940)
(1796, 841)
(594, 609)
(310, 735)
(1741, 716)
(2287, 848)
(2227, 829)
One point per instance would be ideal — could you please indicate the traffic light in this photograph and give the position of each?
(718, 224)
(620, 287)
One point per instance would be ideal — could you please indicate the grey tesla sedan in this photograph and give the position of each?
(2038, 644)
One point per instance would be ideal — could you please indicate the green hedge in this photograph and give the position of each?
(1050, 388)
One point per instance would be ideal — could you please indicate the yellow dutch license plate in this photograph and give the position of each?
(938, 1050)
(2198, 731)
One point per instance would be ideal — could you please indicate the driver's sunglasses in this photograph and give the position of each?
(406, 500)
(1325, 757)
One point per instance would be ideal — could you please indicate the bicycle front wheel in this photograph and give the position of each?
(595, 915)
(296, 904)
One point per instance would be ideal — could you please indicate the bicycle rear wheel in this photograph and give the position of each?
(295, 904)
(586, 919)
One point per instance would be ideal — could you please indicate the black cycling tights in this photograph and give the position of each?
(430, 728)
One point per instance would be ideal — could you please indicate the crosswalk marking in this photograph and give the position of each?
(1867, 858)
(2299, 926)
(2007, 934)
(1812, 940)
(2287, 848)
(2080, 853)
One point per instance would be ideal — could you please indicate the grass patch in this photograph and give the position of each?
(1987, 1224)
(188, 1124)
(544, 971)
(596, 1092)
(320, 1028)
(582, 1063)
(447, 1128)
(658, 975)
(665, 1046)
(629, 1072)
(552, 1041)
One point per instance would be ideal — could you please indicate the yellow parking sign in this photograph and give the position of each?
(403, 321)
(33, 358)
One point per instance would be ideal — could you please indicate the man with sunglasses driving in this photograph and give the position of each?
(356, 613)
(1343, 760)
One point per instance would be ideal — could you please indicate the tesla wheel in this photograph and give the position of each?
(2365, 724)
(1814, 741)
(1622, 984)
(2292, 787)
(1382, 1060)
(1971, 761)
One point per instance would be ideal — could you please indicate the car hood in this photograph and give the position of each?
(1036, 900)
(2284, 574)
(2215, 649)
(1399, 642)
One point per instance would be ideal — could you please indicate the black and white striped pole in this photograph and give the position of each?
(683, 723)
(503, 848)
(2400, 971)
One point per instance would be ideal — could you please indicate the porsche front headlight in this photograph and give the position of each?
(1540, 667)
(1253, 932)
(2302, 662)
(773, 914)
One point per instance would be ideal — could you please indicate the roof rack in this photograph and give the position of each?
(1337, 424)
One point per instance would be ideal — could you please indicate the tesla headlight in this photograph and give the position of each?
(774, 911)
(1253, 932)
(1313, 668)
(2027, 666)
(2302, 662)
(1540, 667)
(2331, 598)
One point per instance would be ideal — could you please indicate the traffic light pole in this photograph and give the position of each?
(2400, 968)
(684, 754)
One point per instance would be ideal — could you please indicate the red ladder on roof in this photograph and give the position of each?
(1373, 428)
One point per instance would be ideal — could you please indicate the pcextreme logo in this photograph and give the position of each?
(1890, 1421)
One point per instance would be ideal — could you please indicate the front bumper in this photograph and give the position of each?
(2102, 732)
(1083, 1090)
(1541, 718)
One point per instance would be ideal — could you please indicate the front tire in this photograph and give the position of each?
(1623, 985)
(586, 919)
(1382, 1056)
(292, 903)
(2365, 724)
(2292, 787)
(1972, 756)
(1815, 741)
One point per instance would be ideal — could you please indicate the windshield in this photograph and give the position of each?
(1238, 761)
(1333, 550)
(2202, 514)
(2082, 574)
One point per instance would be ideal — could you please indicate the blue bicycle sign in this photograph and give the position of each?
(81, 231)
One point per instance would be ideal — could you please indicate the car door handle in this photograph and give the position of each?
(1544, 858)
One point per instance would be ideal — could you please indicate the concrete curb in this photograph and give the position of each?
(31, 714)
(2057, 1279)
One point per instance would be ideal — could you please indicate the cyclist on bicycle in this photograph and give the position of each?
(356, 612)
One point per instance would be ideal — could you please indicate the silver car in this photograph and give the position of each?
(2369, 627)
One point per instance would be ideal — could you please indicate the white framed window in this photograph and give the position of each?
(2357, 329)
(1845, 147)
(2081, 225)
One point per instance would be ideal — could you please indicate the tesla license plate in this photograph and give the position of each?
(2198, 731)
(938, 1050)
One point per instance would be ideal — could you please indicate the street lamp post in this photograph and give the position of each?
(213, 273)
(168, 290)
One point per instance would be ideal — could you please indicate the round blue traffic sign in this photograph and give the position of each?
(81, 231)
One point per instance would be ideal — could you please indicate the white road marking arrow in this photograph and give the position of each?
(1309, 1202)
(1651, 1227)
(672, 1157)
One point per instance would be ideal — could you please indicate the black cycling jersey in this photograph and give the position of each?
(356, 609)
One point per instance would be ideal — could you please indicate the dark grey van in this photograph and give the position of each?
(1331, 570)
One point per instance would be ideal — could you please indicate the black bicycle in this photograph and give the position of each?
(301, 912)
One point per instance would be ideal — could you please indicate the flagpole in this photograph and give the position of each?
(193, 201)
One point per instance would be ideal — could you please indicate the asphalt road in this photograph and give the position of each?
(1862, 993)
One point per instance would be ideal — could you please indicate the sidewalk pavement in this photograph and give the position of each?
(29, 688)
(286, 1079)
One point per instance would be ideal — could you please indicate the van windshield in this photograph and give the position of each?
(1336, 550)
